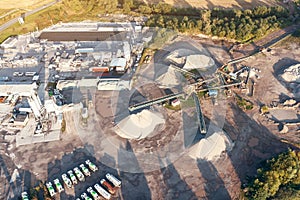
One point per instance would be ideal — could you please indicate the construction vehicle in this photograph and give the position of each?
(79, 174)
(85, 196)
(24, 196)
(73, 177)
(50, 189)
(58, 186)
(91, 165)
(66, 180)
(85, 170)
(93, 193)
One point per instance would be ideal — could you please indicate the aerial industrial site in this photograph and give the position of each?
(92, 110)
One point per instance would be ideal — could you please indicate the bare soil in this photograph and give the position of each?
(244, 4)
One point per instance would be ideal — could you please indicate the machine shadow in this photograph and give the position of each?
(176, 188)
(134, 185)
(214, 187)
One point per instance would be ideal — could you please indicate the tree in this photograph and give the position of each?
(145, 9)
(279, 172)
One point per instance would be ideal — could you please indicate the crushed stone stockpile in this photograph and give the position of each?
(170, 79)
(292, 74)
(211, 147)
(198, 61)
(140, 125)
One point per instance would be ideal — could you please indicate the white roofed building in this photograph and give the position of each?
(113, 84)
(119, 64)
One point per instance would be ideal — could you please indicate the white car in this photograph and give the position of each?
(91, 165)
(58, 186)
(50, 189)
(85, 170)
(85, 196)
(66, 180)
(93, 193)
(72, 176)
(102, 191)
(113, 180)
(24, 196)
(79, 174)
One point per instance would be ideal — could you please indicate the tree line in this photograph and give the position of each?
(278, 179)
(239, 25)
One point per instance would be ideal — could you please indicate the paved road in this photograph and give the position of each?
(15, 20)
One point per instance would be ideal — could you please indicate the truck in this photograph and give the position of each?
(24, 196)
(50, 189)
(66, 180)
(113, 180)
(79, 174)
(108, 186)
(85, 170)
(91, 165)
(72, 176)
(30, 73)
(85, 196)
(58, 186)
(99, 69)
(102, 191)
(93, 193)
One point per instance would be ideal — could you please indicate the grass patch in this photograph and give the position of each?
(243, 103)
(176, 108)
(188, 102)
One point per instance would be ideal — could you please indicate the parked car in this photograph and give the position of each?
(72, 176)
(91, 165)
(50, 189)
(58, 186)
(79, 174)
(102, 191)
(85, 170)
(93, 193)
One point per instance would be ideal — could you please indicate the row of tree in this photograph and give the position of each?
(240, 25)
(278, 179)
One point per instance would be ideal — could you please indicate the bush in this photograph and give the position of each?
(63, 125)
(264, 109)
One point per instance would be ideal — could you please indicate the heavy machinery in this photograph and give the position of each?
(220, 80)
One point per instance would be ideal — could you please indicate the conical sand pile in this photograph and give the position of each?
(211, 147)
(198, 62)
(140, 125)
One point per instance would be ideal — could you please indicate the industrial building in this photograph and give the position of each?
(12, 92)
(87, 32)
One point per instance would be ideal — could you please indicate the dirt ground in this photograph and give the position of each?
(26, 4)
(255, 139)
